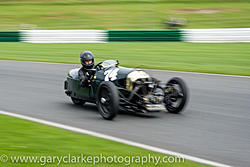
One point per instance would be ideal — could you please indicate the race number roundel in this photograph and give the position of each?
(111, 75)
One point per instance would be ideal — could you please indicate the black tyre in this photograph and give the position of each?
(176, 95)
(107, 100)
(77, 101)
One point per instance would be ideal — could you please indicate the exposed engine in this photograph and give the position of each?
(155, 97)
(140, 83)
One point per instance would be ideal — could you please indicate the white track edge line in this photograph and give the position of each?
(149, 69)
(100, 135)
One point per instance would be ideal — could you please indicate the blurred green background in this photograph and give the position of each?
(122, 14)
(233, 58)
(226, 58)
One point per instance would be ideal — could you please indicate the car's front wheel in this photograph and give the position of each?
(107, 100)
(176, 95)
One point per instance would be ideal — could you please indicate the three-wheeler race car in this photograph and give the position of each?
(113, 88)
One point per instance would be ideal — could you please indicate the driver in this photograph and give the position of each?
(87, 61)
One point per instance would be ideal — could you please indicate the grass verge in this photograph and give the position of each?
(122, 14)
(24, 138)
(224, 58)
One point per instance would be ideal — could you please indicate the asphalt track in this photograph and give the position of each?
(215, 125)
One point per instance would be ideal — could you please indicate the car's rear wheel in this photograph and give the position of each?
(107, 100)
(176, 94)
(77, 101)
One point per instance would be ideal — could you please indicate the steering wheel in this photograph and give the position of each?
(98, 66)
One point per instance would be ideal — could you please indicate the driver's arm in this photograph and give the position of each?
(82, 78)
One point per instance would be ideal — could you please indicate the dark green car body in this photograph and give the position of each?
(73, 88)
